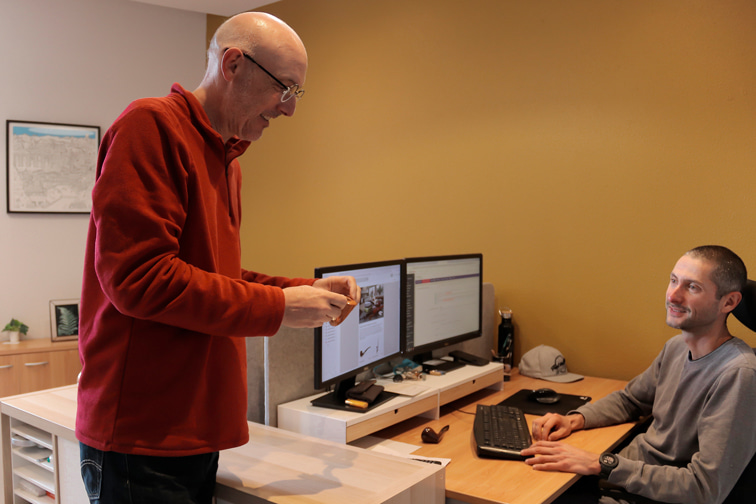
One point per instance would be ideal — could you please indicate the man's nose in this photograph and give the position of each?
(673, 293)
(287, 108)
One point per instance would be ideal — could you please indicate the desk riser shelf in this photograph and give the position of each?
(345, 426)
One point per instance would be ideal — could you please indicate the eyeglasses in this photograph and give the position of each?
(289, 91)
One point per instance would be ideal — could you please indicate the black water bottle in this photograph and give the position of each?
(506, 337)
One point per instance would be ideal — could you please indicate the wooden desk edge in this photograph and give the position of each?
(477, 491)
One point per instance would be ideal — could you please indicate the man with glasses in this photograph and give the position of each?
(165, 303)
(700, 390)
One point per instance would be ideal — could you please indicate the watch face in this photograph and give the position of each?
(609, 460)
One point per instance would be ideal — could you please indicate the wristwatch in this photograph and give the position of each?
(608, 462)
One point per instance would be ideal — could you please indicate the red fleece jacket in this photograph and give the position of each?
(165, 304)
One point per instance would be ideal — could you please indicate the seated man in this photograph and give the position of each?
(701, 391)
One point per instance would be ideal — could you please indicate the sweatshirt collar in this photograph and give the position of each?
(235, 146)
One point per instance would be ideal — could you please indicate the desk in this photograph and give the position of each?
(275, 466)
(478, 480)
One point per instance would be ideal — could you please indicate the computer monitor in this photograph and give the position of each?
(443, 303)
(372, 334)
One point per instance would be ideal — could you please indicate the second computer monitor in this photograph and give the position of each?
(443, 302)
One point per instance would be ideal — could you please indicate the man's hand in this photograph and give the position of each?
(558, 456)
(314, 306)
(552, 426)
(340, 284)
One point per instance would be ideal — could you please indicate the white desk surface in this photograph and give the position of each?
(286, 467)
(275, 466)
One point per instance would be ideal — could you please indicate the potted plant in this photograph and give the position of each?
(15, 328)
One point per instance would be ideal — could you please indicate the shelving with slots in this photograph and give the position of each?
(32, 456)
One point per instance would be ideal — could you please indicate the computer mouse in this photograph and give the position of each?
(544, 396)
(430, 436)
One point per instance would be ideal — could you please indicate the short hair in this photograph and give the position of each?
(729, 273)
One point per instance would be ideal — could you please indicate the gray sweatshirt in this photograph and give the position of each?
(703, 432)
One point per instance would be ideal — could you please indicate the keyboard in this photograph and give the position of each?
(500, 432)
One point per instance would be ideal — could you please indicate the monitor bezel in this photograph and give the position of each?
(446, 342)
(318, 340)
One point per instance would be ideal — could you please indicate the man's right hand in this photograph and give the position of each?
(552, 426)
(311, 307)
(563, 457)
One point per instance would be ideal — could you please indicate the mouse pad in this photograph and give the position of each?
(566, 404)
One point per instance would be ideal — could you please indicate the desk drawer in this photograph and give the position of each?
(9, 374)
(390, 418)
(28, 372)
(463, 389)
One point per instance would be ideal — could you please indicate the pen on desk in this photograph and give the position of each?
(356, 403)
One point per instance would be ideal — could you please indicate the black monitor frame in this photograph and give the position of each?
(347, 380)
(424, 352)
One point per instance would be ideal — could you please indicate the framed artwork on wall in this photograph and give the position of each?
(50, 167)
(64, 319)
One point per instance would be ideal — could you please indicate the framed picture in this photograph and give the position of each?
(64, 319)
(50, 167)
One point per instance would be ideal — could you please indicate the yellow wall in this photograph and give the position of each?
(581, 146)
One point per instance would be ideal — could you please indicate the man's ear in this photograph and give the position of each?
(730, 301)
(230, 63)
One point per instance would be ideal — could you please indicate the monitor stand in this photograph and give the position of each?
(335, 399)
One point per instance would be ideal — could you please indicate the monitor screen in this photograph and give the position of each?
(373, 332)
(444, 301)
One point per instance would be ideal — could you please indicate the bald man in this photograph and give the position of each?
(165, 303)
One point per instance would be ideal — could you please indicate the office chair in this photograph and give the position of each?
(745, 312)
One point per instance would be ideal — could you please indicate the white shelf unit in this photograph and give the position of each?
(32, 460)
(346, 426)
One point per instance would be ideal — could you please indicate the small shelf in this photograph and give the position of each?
(33, 499)
(36, 455)
(39, 436)
(36, 475)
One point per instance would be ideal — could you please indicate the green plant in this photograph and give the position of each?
(15, 325)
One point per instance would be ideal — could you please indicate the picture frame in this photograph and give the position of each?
(50, 167)
(64, 319)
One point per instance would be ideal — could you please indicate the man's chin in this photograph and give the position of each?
(675, 324)
(252, 133)
(251, 137)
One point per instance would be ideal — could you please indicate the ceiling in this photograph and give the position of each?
(218, 7)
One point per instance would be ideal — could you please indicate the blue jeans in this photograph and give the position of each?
(117, 478)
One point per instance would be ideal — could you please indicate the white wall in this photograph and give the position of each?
(78, 62)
